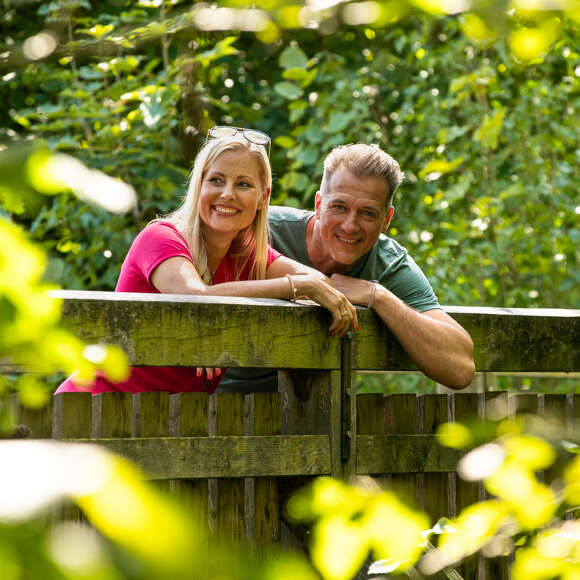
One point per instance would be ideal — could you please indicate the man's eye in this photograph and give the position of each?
(339, 207)
(369, 214)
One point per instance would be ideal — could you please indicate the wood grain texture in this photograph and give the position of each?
(190, 330)
(210, 331)
(379, 454)
(203, 457)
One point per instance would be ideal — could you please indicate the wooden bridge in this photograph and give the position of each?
(242, 455)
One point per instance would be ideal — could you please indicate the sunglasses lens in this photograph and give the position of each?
(256, 137)
(221, 132)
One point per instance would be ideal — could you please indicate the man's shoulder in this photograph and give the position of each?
(280, 214)
(390, 248)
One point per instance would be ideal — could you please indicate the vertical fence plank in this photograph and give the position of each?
(307, 398)
(111, 415)
(188, 417)
(467, 492)
(371, 421)
(555, 411)
(150, 414)
(71, 418)
(401, 419)
(434, 411)
(150, 418)
(262, 501)
(71, 415)
(497, 407)
(34, 423)
(230, 491)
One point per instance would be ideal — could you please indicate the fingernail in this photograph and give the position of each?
(198, 372)
(356, 327)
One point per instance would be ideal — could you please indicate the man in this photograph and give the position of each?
(345, 239)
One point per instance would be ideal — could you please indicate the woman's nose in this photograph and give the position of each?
(228, 191)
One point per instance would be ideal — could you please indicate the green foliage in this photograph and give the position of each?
(486, 135)
(136, 532)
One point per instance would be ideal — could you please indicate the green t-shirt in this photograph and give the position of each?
(388, 262)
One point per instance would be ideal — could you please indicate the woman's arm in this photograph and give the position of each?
(177, 275)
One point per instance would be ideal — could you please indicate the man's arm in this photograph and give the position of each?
(440, 347)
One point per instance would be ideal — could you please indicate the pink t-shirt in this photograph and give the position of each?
(158, 242)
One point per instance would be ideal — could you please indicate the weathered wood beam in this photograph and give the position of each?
(224, 456)
(505, 340)
(379, 454)
(215, 332)
(190, 330)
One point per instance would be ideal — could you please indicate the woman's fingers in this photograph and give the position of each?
(209, 371)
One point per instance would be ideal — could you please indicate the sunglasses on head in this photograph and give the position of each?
(251, 135)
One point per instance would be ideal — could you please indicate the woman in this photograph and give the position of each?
(216, 244)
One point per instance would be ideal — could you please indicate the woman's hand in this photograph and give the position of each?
(320, 288)
(209, 372)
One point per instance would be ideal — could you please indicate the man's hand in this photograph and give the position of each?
(357, 291)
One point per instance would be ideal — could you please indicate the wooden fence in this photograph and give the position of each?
(243, 456)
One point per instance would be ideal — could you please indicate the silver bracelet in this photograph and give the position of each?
(292, 288)
(374, 289)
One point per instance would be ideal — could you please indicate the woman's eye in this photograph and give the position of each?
(244, 184)
(214, 180)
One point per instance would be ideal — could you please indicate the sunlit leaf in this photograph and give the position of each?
(532, 452)
(339, 547)
(530, 43)
(488, 132)
(394, 531)
(439, 167)
(454, 435)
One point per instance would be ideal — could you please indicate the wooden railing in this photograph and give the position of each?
(316, 425)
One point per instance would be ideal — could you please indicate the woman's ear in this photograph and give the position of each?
(265, 199)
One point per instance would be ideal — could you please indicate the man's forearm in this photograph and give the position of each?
(439, 346)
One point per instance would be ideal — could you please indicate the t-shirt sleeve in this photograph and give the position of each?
(272, 255)
(155, 244)
(407, 282)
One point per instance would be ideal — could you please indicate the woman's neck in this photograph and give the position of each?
(217, 246)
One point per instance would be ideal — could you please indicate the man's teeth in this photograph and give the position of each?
(346, 240)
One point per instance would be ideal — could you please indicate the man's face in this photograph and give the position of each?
(351, 214)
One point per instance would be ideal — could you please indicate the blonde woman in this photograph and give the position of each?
(216, 244)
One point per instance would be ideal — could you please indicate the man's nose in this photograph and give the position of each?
(350, 223)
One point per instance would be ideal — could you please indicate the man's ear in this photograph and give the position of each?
(317, 204)
(388, 218)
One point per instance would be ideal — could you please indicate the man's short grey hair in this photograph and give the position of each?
(364, 161)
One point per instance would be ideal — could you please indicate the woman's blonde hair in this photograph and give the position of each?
(250, 242)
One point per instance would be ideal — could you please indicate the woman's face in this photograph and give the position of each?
(232, 191)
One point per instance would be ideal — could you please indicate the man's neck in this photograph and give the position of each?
(318, 253)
